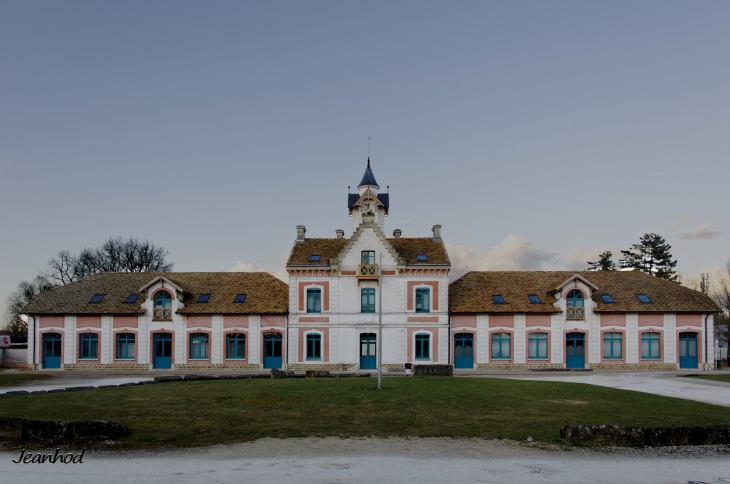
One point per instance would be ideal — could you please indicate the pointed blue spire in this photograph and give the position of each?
(368, 178)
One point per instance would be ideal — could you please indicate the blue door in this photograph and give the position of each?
(575, 350)
(51, 350)
(464, 350)
(688, 350)
(272, 350)
(162, 359)
(368, 345)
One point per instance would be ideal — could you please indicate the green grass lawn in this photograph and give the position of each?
(209, 412)
(10, 379)
(713, 377)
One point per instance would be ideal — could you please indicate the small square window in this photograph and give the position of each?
(240, 298)
(534, 299)
(607, 298)
(422, 257)
(644, 298)
(96, 299)
(203, 298)
(132, 298)
(314, 258)
(498, 298)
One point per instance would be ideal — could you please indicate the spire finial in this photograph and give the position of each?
(368, 162)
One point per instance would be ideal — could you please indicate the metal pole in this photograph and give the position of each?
(380, 322)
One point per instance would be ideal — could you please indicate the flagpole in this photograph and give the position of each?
(380, 322)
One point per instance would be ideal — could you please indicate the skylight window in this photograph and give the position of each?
(644, 298)
(240, 298)
(607, 298)
(131, 299)
(314, 258)
(498, 298)
(96, 299)
(421, 257)
(534, 299)
(203, 298)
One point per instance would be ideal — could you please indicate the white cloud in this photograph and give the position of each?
(704, 231)
(514, 253)
(249, 267)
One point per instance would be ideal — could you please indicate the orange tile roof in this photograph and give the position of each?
(406, 247)
(472, 293)
(265, 293)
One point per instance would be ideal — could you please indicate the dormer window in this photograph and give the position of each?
(96, 299)
(162, 310)
(203, 298)
(421, 258)
(314, 258)
(367, 257)
(606, 298)
(534, 299)
(575, 305)
(498, 298)
(644, 299)
(131, 299)
(239, 299)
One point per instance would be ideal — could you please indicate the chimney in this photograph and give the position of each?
(301, 230)
(436, 229)
(340, 234)
(396, 233)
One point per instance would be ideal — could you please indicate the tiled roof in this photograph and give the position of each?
(472, 293)
(265, 293)
(405, 247)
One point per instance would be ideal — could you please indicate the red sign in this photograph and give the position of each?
(4, 341)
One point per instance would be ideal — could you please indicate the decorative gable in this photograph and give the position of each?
(367, 237)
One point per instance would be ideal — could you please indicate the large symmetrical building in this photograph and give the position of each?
(339, 288)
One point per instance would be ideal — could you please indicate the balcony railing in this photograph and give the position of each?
(162, 314)
(576, 314)
(367, 271)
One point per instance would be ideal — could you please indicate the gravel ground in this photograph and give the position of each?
(361, 460)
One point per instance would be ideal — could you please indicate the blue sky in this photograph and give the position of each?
(536, 133)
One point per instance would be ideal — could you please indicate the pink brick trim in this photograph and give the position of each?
(325, 343)
(434, 293)
(623, 346)
(434, 343)
(511, 344)
(549, 346)
(651, 319)
(152, 345)
(453, 343)
(467, 321)
(273, 320)
(689, 320)
(314, 319)
(200, 321)
(77, 350)
(39, 345)
(501, 321)
(193, 361)
(51, 322)
(423, 319)
(537, 320)
(125, 322)
(225, 338)
(613, 319)
(170, 291)
(124, 361)
(324, 285)
(236, 321)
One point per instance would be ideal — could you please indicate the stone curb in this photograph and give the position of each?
(625, 436)
(49, 431)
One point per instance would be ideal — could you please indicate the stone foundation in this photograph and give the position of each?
(635, 366)
(242, 366)
(111, 366)
(319, 366)
(520, 366)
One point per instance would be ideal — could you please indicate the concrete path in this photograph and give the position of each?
(665, 384)
(74, 382)
(374, 460)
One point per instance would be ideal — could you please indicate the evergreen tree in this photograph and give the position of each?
(651, 255)
(604, 263)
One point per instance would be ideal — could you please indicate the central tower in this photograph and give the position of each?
(368, 204)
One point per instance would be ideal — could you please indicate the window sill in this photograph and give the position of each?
(422, 359)
(237, 359)
(88, 359)
(199, 359)
(162, 320)
(502, 358)
(131, 358)
(542, 358)
(423, 312)
(613, 358)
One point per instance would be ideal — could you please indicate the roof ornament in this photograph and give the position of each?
(368, 178)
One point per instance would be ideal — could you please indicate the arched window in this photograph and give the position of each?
(650, 345)
(314, 346)
(236, 346)
(575, 305)
(612, 345)
(198, 346)
(537, 345)
(423, 346)
(162, 306)
(501, 346)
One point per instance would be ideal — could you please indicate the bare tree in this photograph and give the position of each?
(721, 295)
(114, 255)
(19, 299)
